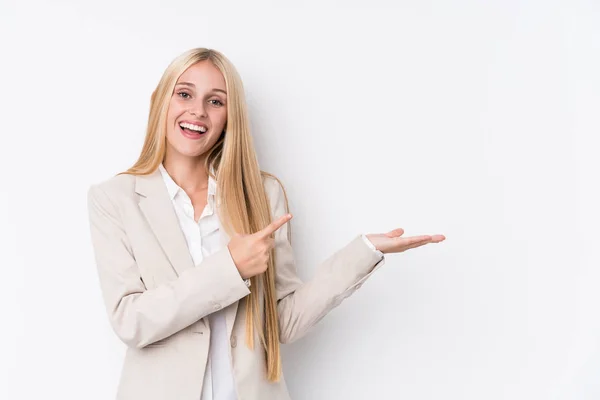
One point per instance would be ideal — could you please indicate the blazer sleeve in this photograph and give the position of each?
(302, 304)
(142, 316)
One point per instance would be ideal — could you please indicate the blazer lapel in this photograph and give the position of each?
(158, 209)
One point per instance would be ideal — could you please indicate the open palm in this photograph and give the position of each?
(393, 242)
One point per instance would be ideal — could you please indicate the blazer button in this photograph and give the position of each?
(216, 306)
(233, 341)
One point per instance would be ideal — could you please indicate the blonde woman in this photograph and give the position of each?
(192, 246)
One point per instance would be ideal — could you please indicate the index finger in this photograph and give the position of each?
(273, 226)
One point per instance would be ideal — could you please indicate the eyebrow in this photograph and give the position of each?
(192, 85)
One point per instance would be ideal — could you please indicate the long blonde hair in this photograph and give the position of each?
(245, 206)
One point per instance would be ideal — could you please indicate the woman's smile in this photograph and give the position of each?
(192, 130)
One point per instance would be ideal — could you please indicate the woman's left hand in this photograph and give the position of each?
(393, 242)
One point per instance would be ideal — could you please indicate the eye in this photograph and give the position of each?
(218, 101)
(183, 94)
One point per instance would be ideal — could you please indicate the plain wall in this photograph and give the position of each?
(476, 120)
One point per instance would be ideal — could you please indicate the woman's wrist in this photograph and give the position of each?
(369, 242)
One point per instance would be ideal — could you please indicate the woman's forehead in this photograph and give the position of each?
(203, 75)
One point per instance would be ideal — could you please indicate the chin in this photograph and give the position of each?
(182, 149)
(187, 152)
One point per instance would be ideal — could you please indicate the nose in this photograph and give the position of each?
(197, 109)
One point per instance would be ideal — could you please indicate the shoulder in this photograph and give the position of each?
(275, 191)
(273, 185)
(114, 188)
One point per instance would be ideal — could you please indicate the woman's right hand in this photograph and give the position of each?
(250, 253)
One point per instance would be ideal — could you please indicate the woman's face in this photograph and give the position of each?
(197, 110)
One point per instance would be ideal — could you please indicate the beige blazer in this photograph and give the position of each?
(157, 299)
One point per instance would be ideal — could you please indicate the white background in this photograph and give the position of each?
(476, 120)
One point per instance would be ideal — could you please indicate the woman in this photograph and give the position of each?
(192, 246)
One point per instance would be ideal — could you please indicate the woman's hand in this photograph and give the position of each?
(393, 242)
(250, 253)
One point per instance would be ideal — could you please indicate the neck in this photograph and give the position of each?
(187, 172)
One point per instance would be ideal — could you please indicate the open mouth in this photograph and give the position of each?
(192, 130)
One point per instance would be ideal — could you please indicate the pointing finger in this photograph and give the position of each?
(273, 226)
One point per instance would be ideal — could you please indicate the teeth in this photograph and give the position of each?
(193, 127)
